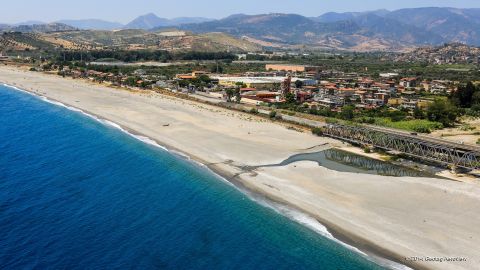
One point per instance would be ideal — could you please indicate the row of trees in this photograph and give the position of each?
(141, 55)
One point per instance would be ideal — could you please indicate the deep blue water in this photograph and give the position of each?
(76, 194)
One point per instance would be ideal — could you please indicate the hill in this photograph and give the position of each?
(454, 53)
(38, 28)
(133, 39)
(453, 25)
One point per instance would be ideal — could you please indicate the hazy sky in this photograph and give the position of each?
(123, 11)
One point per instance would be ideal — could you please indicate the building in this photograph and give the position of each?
(249, 82)
(292, 68)
(408, 82)
(191, 76)
(259, 82)
(395, 102)
(388, 75)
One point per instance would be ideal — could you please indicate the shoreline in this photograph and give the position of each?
(225, 172)
(362, 247)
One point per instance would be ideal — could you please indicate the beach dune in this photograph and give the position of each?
(424, 223)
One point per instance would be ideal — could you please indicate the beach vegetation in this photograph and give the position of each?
(272, 114)
(317, 131)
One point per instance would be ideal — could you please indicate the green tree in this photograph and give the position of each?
(298, 84)
(229, 93)
(418, 113)
(442, 111)
(476, 97)
(463, 96)
(238, 96)
(241, 84)
(348, 112)
(290, 98)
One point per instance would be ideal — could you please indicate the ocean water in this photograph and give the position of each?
(79, 194)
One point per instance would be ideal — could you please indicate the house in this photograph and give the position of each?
(344, 92)
(365, 83)
(408, 82)
(327, 103)
(302, 96)
(359, 96)
(395, 102)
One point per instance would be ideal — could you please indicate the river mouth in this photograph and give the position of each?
(343, 161)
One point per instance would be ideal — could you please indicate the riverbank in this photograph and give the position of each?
(396, 217)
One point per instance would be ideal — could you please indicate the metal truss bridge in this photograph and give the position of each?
(457, 155)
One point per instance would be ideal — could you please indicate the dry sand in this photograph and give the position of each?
(396, 217)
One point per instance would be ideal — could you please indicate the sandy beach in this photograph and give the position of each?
(424, 223)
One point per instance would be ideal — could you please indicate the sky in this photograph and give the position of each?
(123, 11)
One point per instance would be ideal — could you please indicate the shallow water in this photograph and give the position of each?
(343, 161)
(78, 194)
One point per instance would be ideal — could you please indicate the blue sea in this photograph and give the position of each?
(76, 193)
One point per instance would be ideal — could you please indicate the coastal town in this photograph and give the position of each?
(308, 85)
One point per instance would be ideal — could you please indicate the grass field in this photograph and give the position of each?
(417, 125)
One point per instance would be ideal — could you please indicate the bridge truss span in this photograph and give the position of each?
(439, 151)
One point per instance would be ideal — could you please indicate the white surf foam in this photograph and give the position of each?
(313, 224)
(284, 210)
(106, 122)
(305, 220)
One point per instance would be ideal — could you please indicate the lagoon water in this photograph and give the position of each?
(78, 194)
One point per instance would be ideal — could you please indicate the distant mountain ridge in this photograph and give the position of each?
(38, 28)
(144, 22)
(149, 21)
(371, 30)
(92, 24)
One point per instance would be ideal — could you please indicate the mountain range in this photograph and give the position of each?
(144, 22)
(151, 20)
(373, 30)
(360, 31)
